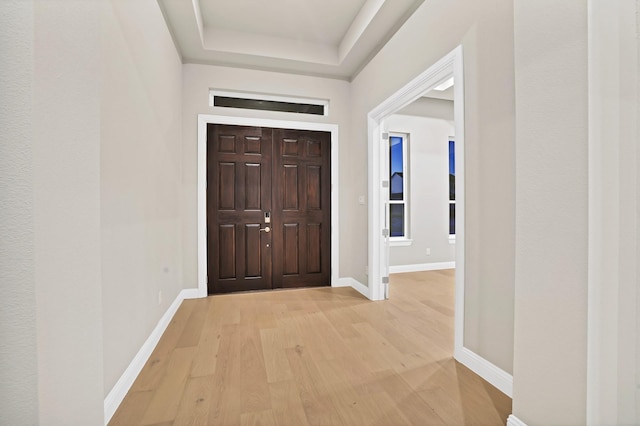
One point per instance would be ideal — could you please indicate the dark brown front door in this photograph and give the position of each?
(254, 171)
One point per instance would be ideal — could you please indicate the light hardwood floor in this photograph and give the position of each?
(314, 357)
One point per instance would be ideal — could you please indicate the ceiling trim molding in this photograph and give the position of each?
(198, 15)
(359, 25)
(273, 47)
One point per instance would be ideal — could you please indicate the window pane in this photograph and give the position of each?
(452, 219)
(396, 168)
(452, 187)
(452, 170)
(396, 213)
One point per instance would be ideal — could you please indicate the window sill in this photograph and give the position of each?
(400, 242)
(452, 239)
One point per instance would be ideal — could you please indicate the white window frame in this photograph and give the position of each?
(404, 240)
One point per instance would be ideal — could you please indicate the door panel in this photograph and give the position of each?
(302, 208)
(290, 249)
(238, 192)
(314, 188)
(251, 171)
(314, 245)
(227, 250)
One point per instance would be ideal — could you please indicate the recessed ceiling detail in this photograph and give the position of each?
(333, 38)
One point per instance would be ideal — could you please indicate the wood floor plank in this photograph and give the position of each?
(195, 402)
(253, 378)
(323, 356)
(286, 404)
(193, 328)
(204, 362)
(258, 313)
(276, 364)
(228, 308)
(225, 406)
(409, 403)
(437, 373)
(392, 332)
(174, 330)
(357, 407)
(377, 353)
(155, 368)
(262, 418)
(132, 409)
(319, 336)
(314, 394)
(166, 399)
(383, 410)
(347, 371)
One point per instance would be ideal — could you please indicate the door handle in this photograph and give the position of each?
(265, 229)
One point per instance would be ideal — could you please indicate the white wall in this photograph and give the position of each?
(66, 202)
(91, 173)
(18, 344)
(485, 30)
(551, 212)
(140, 178)
(428, 190)
(198, 79)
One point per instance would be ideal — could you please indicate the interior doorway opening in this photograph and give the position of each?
(446, 71)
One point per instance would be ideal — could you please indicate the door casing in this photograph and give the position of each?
(449, 65)
(203, 120)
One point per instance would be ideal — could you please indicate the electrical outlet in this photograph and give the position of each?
(160, 297)
(428, 251)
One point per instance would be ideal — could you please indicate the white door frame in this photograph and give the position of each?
(450, 65)
(203, 120)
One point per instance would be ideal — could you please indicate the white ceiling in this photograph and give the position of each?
(446, 94)
(332, 38)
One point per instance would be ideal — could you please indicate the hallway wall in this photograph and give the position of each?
(140, 178)
(95, 148)
(18, 329)
(550, 364)
(52, 77)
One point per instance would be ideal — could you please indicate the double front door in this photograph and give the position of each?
(268, 208)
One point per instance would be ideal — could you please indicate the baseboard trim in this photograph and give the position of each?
(499, 378)
(421, 267)
(514, 421)
(122, 386)
(191, 293)
(355, 284)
